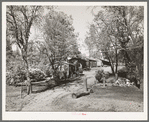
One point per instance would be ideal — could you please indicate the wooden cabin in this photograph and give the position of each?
(80, 60)
(92, 62)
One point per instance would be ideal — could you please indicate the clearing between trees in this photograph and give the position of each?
(59, 99)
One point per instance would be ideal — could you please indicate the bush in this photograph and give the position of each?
(80, 70)
(107, 74)
(16, 78)
(8, 77)
(49, 72)
(123, 72)
(36, 74)
(20, 76)
(99, 75)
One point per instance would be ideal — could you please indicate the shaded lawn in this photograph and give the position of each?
(109, 99)
(119, 93)
(14, 102)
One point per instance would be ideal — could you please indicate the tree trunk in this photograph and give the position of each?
(116, 60)
(29, 88)
(112, 67)
(116, 76)
(116, 73)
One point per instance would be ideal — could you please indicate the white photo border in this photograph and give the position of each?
(70, 115)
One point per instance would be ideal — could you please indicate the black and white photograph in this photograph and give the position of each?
(74, 60)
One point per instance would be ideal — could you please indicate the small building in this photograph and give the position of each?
(80, 60)
(85, 61)
(92, 62)
(99, 63)
(105, 62)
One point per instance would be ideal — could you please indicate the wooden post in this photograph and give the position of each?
(104, 81)
(85, 84)
(22, 87)
(68, 70)
(31, 88)
(28, 89)
(28, 84)
(21, 90)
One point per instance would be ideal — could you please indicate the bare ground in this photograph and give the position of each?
(109, 99)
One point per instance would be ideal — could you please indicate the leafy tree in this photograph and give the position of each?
(114, 28)
(19, 22)
(59, 38)
(130, 21)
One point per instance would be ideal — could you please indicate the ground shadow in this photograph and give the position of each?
(38, 89)
(58, 83)
(118, 93)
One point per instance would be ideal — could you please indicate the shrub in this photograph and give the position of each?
(8, 77)
(20, 76)
(80, 70)
(37, 74)
(49, 71)
(16, 78)
(107, 74)
(123, 72)
(99, 74)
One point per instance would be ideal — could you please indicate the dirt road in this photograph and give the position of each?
(54, 100)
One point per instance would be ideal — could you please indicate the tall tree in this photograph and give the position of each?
(19, 22)
(115, 26)
(59, 38)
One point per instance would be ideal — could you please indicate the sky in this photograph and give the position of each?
(81, 19)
